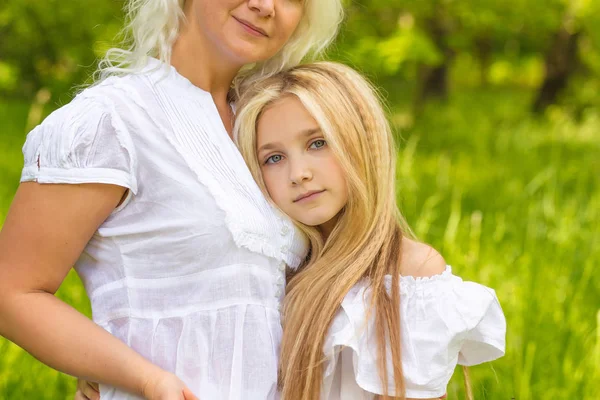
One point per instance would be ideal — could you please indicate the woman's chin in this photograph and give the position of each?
(248, 51)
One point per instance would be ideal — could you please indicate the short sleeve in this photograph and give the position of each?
(486, 341)
(85, 141)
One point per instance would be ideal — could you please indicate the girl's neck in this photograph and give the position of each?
(327, 227)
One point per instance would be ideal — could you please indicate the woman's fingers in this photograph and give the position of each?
(79, 395)
(87, 390)
(188, 395)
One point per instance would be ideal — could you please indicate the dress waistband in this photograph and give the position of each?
(178, 296)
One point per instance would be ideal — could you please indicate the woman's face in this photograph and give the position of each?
(246, 31)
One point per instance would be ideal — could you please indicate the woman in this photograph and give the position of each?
(137, 183)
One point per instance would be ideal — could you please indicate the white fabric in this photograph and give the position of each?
(189, 271)
(444, 321)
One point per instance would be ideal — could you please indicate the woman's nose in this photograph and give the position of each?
(264, 8)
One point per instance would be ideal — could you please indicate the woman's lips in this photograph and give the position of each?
(251, 29)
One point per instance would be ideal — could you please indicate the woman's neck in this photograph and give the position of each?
(201, 68)
(202, 63)
(196, 61)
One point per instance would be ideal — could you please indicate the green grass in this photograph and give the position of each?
(514, 203)
(13, 117)
(510, 201)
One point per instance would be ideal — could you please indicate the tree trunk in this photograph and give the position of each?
(484, 48)
(561, 62)
(434, 81)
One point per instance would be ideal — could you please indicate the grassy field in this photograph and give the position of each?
(510, 201)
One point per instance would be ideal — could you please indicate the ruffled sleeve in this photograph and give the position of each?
(444, 321)
(485, 340)
(85, 141)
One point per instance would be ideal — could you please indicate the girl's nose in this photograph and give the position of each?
(299, 173)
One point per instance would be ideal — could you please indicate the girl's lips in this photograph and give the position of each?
(308, 196)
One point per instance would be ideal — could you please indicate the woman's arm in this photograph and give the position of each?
(47, 228)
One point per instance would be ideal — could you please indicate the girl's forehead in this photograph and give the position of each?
(285, 121)
(284, 112)
(279, 101)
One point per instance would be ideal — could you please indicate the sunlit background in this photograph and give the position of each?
(496, 107)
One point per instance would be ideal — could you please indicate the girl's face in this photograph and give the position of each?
(246, 31)
(300, 171)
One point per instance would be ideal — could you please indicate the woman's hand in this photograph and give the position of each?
(87, 390)
(165, 387)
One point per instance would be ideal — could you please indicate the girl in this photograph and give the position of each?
(371, 312)
(137, 183)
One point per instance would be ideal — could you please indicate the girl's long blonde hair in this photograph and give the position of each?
(152, 26)
(366, 241)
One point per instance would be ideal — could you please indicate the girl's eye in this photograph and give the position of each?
(317, 144)
(274, 159)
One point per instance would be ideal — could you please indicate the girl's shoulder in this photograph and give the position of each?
(420, 260)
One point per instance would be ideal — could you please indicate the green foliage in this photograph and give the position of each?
(391, 54)
(504, 42)
(389, 47)
(51, 43)
(13, 116)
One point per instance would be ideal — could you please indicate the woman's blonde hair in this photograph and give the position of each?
(366, 240)
(153, 26)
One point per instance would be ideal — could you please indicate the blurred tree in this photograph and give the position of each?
(51, 44)
(420, 41)
(565, 54)
(389, 47)
(439, 25)
(54, 44)
(561, 62)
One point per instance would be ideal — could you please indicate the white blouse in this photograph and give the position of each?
(444, 321)
(189, 270)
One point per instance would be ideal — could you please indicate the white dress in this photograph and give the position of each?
(189, 270)
(444, 321)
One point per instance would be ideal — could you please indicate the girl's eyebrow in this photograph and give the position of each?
(305, 133)
(268, 146)
(310, 131)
